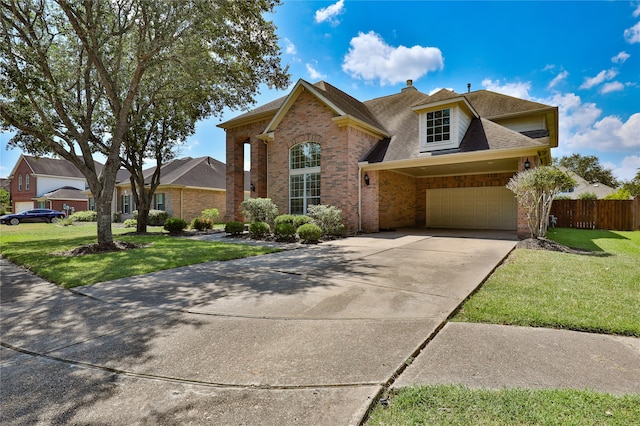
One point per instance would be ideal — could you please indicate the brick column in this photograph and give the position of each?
(235, 176)
(259, 168)
(370, 202)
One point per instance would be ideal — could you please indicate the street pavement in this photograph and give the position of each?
(311, 335)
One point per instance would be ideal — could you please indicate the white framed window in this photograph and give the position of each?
(92, 204)
(438, 126)
(304, 176)
(26, 182)
(158, 201)
(126, 204)
(19, 182)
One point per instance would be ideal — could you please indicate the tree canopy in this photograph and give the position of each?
(127, 78)
(589, 168)
(535, 190)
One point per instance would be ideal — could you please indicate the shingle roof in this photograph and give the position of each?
(491, 104)
(204, 172)
(56, 167)
(66, 193)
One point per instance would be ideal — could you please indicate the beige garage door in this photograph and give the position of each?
(23, 205)
(472, 208)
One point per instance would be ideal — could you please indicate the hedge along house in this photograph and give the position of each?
(408, 159)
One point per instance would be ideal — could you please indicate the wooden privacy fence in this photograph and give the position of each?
(615, 215)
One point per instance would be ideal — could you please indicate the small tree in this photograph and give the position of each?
(535, 190)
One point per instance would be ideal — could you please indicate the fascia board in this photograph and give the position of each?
(349, 120)
(458, 157)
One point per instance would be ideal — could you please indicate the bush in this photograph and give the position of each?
(295, 220)
(175, 225)
(84, 216)
(588, 196)
(285, 231)
(259, 209)
(234, 228)
(309, 232)
(210, 214)
(116, 217)
(130, 223)
(328, 218)
(259, 229)
(67, 221)
(201, 223)
(620, 194)
(155, 218)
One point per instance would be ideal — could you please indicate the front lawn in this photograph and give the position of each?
(34, 245)
(596, 292)
(459, 405)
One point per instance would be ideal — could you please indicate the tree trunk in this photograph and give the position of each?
(103, 209)
(143, 215)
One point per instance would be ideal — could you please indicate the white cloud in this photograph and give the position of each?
(315, 74)
(330, 13)
(609, 134)
(632, 35)
(620, 58)
(603, 75)
(370, 58)
(548, 67)
(614, 86)
(627, 169)
(558, 78)
(290, 48)
(636, 12)
(518, 90)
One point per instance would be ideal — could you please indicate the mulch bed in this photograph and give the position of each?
(545, 244)
(97, 248)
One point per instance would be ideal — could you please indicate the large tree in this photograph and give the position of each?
(589, 168)
(81, 77)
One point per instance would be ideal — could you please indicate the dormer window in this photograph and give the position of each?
(438, 126)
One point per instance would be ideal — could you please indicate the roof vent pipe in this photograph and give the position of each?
(468, 87)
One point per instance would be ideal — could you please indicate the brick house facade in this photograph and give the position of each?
(380, 162)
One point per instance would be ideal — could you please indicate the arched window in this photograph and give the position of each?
(19, 182)
(304, 177)
(26, 182)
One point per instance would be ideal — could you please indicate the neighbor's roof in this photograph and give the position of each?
(54, 167)
(66, 193)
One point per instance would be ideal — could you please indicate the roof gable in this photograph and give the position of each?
(204, 172)
(52, 167)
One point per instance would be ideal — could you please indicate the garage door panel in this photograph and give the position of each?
(472, 208)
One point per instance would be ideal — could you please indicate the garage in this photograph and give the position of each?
(21, 206)
(488, 207)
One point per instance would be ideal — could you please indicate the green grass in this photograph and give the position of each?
(33, 245)
(596, 292)
(458, 405)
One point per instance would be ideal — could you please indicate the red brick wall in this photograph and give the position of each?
(397, 200)
(25, 195)
(371, 202)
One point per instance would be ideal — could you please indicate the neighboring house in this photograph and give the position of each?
(407, 159)
(583, 187)
(187, 187)
(49, 183)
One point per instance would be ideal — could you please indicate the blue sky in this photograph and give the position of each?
(582, 56)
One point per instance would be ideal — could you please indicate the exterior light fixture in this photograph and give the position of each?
(527, 164)
(366, 179)
(253, 187)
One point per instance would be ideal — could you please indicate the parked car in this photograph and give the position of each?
(33, 215)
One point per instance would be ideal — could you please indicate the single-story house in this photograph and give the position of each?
(584, 187)
(407, 159)
(187, 187)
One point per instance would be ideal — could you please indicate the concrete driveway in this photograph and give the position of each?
(304, 336)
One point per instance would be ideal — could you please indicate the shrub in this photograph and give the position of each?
(259, 209)
(259, 229)
(201, 223)
(309, 232)
(130, 223)
(295, 220)
(84, 216)
(155, 218)
(620, 194)
(328, 218)
(234, 228)
(588, 196)
(175, 225)
(285, 231)
(563, 197)
(67, 221)
(116, 217)
(211, 214)
(284, 218)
